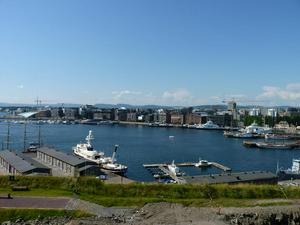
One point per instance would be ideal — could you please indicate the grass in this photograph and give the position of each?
(138, 194)
(31, 214)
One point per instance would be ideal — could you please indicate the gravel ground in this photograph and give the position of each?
(176, 214)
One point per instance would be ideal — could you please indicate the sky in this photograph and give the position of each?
(167, 52)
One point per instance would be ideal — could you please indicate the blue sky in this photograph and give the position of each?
(150, 51)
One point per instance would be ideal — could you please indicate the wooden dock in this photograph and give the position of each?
(221, 167)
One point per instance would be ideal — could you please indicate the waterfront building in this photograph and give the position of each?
(177, 118)
(12, 163)
(131, 117)
(66, 164)
(192, 118)
(56, 113)
(121, 114)
(71, 113)
(87, 111)
(103, 114)
(222, 119)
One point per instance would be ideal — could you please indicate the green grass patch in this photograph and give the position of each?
(138, 194)
(31, 214)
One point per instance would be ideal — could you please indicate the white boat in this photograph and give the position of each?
(113, 166)
(209, 125)
(87, 151)
(173, 168)
(255, 129)
(202, 163)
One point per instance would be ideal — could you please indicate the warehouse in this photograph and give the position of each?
(64, 164)
(12, 163)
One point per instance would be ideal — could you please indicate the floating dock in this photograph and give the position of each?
(190, 164)
(160, 170)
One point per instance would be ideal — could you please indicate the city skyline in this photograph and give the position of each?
(180, 53)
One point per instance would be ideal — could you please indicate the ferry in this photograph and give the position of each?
(209, 125)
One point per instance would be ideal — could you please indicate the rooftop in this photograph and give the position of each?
(20, 162)
(231, 177)
(65, 157)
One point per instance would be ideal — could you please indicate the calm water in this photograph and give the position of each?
(139, 145)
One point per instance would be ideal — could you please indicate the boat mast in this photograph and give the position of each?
(89, 138)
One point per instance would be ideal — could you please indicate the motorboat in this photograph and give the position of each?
(255, 129)
(209, 125)
(113, 166)
(202, 163)
(87, 151)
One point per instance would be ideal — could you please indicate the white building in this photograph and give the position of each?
(272, 112)
(255, 112)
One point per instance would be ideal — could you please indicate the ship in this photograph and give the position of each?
(113, 166)
(291, 173)
(87, 151)
(209, 125)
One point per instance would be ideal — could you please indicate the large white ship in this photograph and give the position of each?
(87, 151)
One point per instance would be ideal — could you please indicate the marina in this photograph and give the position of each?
(144, 145)
(164, 171)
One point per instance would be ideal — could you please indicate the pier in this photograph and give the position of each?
(161, 169)
(189, 164)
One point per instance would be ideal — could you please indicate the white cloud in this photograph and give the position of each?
(119, 95)
(20, 86)
(290, 93)
(180, 96)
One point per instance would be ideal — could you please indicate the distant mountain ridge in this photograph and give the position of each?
(129, 106)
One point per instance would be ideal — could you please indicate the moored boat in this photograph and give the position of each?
(113, 166)
(87, 151)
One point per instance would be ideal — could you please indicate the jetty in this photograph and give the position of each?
(160, 170)
(190, 164)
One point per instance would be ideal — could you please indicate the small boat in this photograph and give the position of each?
(202, 163)
(113, 166)
(270, 145)
(173, 169)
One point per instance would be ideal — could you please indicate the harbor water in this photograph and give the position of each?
(145, 145)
